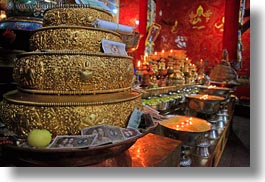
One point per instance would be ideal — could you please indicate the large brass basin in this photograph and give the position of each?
(203, 103)
(215, 90)
(184, 128)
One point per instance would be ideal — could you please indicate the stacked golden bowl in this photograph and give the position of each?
(67, 82)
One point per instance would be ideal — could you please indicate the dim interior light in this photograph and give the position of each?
(2, 15)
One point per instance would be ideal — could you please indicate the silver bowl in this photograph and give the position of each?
(172, 128)
(163, 105)
(207, 104)
(214, 90)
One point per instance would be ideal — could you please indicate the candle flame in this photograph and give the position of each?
(211, 86)
(139, 63)
(204, 97)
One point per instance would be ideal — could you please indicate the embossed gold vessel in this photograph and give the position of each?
(67, 83)
(74, 15)
(71, 38)
(64, 72)
(66, 114)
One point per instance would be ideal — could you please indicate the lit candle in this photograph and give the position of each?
(163, 53)
(139, 64)
(2, 15)
(171, 52)
(145, 57)
(201, 62)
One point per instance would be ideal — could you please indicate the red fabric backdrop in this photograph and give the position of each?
(130, 11)
(204, 39)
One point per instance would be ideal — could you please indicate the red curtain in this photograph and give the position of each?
(142, 27)
(231, 28)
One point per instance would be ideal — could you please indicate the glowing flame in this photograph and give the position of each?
(211, 86)
(139, 64)
(204, 97)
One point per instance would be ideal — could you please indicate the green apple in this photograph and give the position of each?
(39, 138)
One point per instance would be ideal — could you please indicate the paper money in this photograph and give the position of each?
(112, 26)
(74, 141)
(100, 131)
(135, 119)
(130, 133)
(105, 134)
(112, 47)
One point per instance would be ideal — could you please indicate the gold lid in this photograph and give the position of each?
(65, 52)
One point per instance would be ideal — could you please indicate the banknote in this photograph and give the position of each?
(115, 133)
(73, 141)
(105, 134)
(135, 119)
(154, 113)
(146, 122)
(112, 47)
(130, 133)
(100, 131)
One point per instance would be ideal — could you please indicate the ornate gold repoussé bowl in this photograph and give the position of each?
(64, 72)
(71, 38)
(74, 15)
(66, 114)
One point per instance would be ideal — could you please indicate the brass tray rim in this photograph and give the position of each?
(52, 52)
(69, 157)
(214, 88)
(60, 92)
(197, 98)
(65, 104)
(226, 83)
(93, 148)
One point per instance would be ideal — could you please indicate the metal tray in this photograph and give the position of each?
(22, 156)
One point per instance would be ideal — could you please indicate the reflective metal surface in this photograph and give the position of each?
(25, 156)
(214, 90)
(213, 134)
(202, 147)
(185, 128)
(203, 103)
